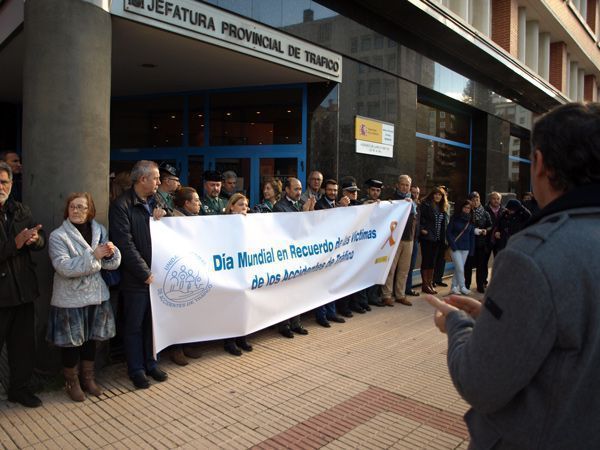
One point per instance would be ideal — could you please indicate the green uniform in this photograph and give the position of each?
(165, 200)
(212, 206)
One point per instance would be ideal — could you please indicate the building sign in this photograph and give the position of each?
(374, 137)
(206, 23)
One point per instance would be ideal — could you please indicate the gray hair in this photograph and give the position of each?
(4, 167)
(142, 168)
(229, 174)
(404, 177)
(494, 193)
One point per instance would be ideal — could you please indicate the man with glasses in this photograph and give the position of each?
(169, 184)
(19, 234)
(315, 180)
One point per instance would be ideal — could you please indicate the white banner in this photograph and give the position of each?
(223, 276)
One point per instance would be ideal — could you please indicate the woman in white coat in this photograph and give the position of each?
(80, 313)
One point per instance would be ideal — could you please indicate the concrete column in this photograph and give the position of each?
(460, 7)
(481, 16)
(573, 80)
(544, 56)
(580, 84)
(522, 46)
(532, 44)
(66, 112)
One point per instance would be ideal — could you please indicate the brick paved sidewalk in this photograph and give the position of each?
(378, 381)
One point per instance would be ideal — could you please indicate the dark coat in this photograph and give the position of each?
(18, 282)
(284, 205)
(511, 224)
(322, 203)
(130, 232)
(427, 222)
(459, 239)
(491, 240)
(409, 230)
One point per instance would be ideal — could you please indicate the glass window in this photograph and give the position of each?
(353, 45)
(256, 117)
(434, 121)
(378, 61)
(373, 109)
(365, 43)
(442, 164)
(374, 87)
(147, 123)
(519, 177)
(361, 87)
(391, 62)
(196, 121)
(378, 41)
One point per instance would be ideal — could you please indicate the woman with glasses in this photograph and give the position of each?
(80, 313)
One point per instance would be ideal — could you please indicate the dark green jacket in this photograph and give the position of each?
(212, 206)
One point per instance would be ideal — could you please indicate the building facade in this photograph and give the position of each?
(277, 87)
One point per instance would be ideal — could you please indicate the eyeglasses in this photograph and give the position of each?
(78, 207)
(173, 179)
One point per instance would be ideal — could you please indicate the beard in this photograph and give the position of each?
(3, 197)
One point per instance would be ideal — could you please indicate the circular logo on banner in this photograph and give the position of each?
(185, 282)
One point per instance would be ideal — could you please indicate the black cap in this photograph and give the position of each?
(513, 204)
(167, 168)
(372, 182)
(212, 175)
(349, 185)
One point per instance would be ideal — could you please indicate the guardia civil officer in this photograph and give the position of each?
(212, 203)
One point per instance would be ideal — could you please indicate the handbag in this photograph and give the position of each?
(111, 277)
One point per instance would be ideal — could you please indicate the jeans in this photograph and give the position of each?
(326, 311)
(459, 257)
(137, 332)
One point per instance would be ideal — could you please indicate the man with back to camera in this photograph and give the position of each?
(291, 203)
(527, 359)
(129, 217)
(19, 234)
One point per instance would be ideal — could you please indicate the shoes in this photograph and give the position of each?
(24, 397)
(286, 332)
(157, 374)
(455, 290)
(191, 351)
(388, 301)
(324, 323)
(379, 304)
(338, 319)
(72, 385)
(359, 310)
(347, 313)
(367, 308)
(178, 357)
(412, 293)
(300, 330)
(480, 290)
(465, 291)
(140, 381)
(440, 283)
(87, 378)
(404, 301)
(244, 345)
(233, 349)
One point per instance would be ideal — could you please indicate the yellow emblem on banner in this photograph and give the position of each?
(381, 259)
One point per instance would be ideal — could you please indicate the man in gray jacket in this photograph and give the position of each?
(527, 360)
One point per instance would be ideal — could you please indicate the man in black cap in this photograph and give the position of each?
(212, 204)
(350, 190)
(373, 191)
(169, 183)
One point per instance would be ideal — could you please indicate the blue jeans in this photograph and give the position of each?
(413, 263)
(326, 311)
(137, 332)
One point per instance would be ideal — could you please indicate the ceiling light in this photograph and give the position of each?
(257, 112)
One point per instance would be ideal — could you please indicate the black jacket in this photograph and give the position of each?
(130, 232)
(411, 223)
(18, 282)
(284, 205)
(427, 222)
(322, 203)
